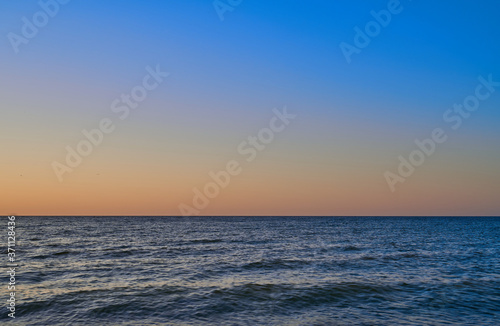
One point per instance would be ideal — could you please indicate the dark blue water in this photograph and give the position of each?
(257, 271)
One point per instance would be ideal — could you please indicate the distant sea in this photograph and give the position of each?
(256, 271)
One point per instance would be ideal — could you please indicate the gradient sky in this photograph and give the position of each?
(353, 120)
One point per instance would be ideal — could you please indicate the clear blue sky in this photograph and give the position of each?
(226, 76)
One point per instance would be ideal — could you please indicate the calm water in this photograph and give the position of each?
(257, 271)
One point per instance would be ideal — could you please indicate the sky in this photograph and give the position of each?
(220, 72)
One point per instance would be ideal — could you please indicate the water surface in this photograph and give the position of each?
(258, 271)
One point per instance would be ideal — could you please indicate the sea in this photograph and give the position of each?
(255, 271)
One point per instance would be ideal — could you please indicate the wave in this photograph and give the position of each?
(275, 264)
(351, 248)
(205, 241)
